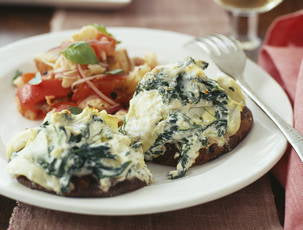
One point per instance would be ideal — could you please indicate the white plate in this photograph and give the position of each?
(260, 150)
(95, 4)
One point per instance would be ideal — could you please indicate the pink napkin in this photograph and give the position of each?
(282, 56)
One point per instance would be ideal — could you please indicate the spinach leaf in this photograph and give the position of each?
(75, 110)
(103, 171)
(92, 158)
(81, 53)
(36, 80)
(136, 144)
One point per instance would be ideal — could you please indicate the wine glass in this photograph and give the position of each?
(249, 9)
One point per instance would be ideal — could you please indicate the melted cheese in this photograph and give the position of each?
(179, 104)
(143, 116)
(67, 145)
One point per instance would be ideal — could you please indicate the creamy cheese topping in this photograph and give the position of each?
(68, 145)
(178, 104)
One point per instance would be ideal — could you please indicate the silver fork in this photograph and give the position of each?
(230, 58)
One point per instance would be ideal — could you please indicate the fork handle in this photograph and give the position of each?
(294, 137)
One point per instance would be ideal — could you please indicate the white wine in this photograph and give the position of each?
(248, 6)
(248, 10)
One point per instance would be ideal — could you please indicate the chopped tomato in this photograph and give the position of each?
(100, 36)
(32, 97)
(107, 45)
(110, 85)
(26, 77)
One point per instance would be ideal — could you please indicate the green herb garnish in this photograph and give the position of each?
(102, 29)
(81, 53)
(115, 71)
(36, 80)
(17, 74)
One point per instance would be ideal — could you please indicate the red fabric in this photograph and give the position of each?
(282, 56)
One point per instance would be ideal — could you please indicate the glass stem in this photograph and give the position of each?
(253, 26)
(244, 28)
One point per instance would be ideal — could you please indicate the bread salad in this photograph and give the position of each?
(86, 70)
(176, 116)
